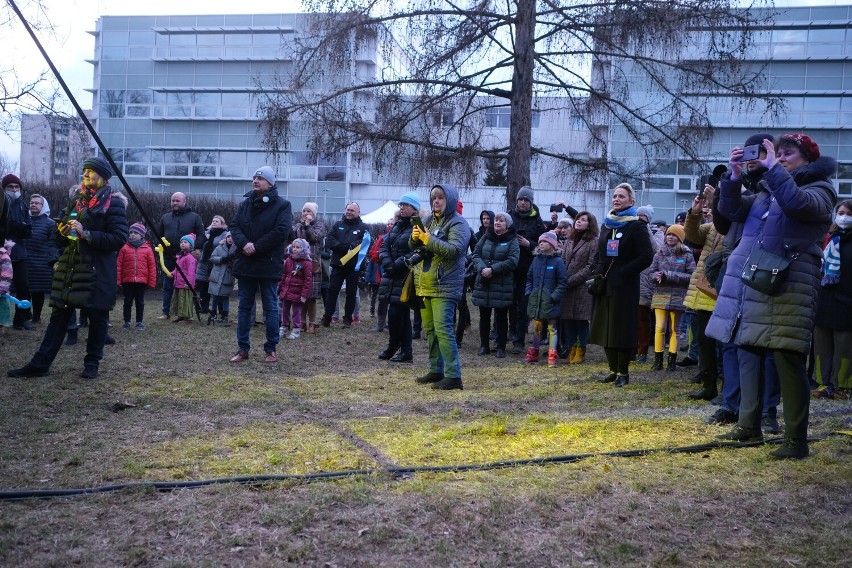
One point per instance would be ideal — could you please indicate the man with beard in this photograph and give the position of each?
(342, 237)
(180, 221)
(529, 226)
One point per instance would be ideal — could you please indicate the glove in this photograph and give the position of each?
(399, 265)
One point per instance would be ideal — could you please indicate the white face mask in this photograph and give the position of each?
(15, 194)
(843, 221)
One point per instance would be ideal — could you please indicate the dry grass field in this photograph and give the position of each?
(168, 406)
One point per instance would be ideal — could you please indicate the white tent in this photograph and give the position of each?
(382, 214)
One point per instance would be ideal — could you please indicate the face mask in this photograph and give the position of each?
(843, 221)
(15, 194)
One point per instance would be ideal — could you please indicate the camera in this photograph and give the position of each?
(557, 208)
(416, 257)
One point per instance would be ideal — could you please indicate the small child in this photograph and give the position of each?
(672, 267)
(5, 283)
(136, 270)
(182, 303)
(295, 286)
(221, 280)
(547, 280)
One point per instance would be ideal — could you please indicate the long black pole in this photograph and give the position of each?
(116, 170)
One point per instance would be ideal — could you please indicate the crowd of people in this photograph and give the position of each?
(755, 276)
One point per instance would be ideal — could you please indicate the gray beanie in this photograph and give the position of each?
(266, 173)
(526, 192)
(646, 210)
(506, 217)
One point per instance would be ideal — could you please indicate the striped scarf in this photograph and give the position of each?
(831, 256)
(617, 219)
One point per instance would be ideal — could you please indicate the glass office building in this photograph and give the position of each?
(806, 57)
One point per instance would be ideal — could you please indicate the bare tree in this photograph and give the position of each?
(439, 71)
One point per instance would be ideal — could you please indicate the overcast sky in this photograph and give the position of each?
(70, 44)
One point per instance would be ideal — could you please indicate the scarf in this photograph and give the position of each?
(831, 255)
(617, 219)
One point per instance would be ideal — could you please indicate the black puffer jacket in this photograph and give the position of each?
(342, 237)
(267, 225)
(19, 228)
(392, 254)
(86, 273)
(41, 254)
(501, 254)
(175, 224)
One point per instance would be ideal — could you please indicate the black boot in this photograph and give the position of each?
(610, 378)
(791, 449)
(621, 380)
(671, 364)
(708, 391)
(72, 337)
(658, 361)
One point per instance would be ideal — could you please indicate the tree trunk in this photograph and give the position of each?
(520, 126)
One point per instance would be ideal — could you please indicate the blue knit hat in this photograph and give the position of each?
(412, 199)
(190, 238)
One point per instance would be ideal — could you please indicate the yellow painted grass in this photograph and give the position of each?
(442, 440)
(256, 448)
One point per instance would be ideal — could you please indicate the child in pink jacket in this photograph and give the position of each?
(295, 286)
(182, 303)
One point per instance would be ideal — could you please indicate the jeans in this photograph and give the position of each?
(269, 298)
(399, 328)
(731, 393)
(437, 314)
(788, 369)
(220, 304)
(54, 335)
(339, 274)
(168, 285)
(501, 324)
(134, 292)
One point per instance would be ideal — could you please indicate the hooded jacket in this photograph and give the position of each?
(86, 272)
(547, 280)
(677, 265)
(441, 273)
(789, 215)
(266, 223)
(222, 275)
(136, 265)
(707, 234)
(482, 229)
(500, 253)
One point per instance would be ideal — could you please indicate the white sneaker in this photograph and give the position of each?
(282, 330)
(294, 334)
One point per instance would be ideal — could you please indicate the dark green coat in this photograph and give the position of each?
(501, 254)
(86, 272)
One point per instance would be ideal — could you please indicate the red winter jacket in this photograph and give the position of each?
(296, 280)
(136, 265)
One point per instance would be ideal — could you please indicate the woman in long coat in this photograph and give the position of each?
(624, 251)
(42, 253)
(579, 256)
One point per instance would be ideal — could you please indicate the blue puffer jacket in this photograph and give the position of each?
(441, 274)
(547, 280)
(791, 214)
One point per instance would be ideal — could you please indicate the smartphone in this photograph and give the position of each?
(750, 153)
(416, 221)
(556, 208)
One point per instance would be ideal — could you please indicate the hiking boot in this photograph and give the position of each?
(239, 357)
(552, 358)
(621, 381)
(89, 372)
(740, 434)
(791, 449)
(27, 371)
(448, 383)
(429, 378)
(657, 365)
(532, 355)
(671, 364)
(722, 416)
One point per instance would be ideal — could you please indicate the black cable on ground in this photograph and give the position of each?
(116, 170)
(393, 471)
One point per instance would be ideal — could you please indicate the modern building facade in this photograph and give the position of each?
(805, 56)
(52, 149)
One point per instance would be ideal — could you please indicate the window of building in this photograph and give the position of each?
(501, 117)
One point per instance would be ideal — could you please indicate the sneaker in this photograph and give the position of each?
(356, 320)
(740, 434)
(842, 394)
(294, 334)
(448, 383)
(126, 325)
(27, 371)
(163, 317)
(89, 372)
(641, 359)
(271, 357)
(823, 392)
(347, 322)
(282, 331)
(335, 320)
(140, 326)
(722, 416)
(770, 425)
(239, 357)
(429, 378)
(687, 362)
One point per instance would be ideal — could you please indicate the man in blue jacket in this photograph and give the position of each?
(259, 230)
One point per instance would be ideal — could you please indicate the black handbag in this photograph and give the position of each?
(765, 271)
(597, 285)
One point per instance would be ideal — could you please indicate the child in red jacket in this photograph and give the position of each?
(136, 271)
(295, 286)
